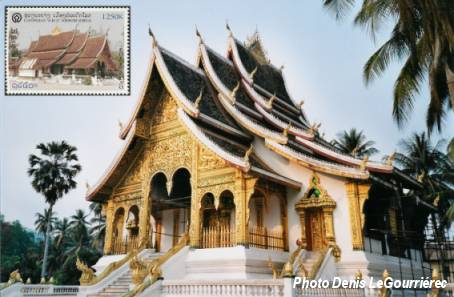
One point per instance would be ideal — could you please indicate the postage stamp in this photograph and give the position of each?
(67, 50)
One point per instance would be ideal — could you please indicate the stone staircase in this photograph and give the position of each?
(120, 286)
(310, 259)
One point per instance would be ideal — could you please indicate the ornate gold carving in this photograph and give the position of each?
(273, 269)
(357, 195)
(317, 197)
(165, 111)
(384, 290)
(208, 160)
(139, 270)
(87, 273)
(14, 277)
(336, 252)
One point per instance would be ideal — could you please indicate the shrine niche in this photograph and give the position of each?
(315, 210)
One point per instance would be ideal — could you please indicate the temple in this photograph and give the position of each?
(223, 177)
(70, 52)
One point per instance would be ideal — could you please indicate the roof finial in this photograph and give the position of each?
(199, 99)
(87, 186)
(120, 124)
(364, 163)
(248, 153)
(301, 103)
(155, 42)
(271, 100)
(390, 159)
(285, 132)
(281, 68)
(251, 75)
(228, 27)
(198, 34)
(235, 90)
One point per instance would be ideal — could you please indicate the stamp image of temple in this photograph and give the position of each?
(70, 53)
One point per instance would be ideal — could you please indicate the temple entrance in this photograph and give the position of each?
(315, 233)
(170, 209)
(218, 223)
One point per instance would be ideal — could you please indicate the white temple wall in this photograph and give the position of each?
(272, 214)
(334, 185)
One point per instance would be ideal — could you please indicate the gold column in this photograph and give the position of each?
(357, 195)
(329, 225)
(144, 221)
(194, 224)
(303, 227)
(244, 188)
(109, 227)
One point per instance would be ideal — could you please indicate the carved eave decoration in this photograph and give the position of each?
(315, 196)
(316, 164)
(345, 159)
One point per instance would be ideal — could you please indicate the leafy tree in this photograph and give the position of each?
(422, 36)
(43, 219)
(79, 230)
(430, 165)
(20, 250)
(53, 172)
(354, 143)
(98, 229)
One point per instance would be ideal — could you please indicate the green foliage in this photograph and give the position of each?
(354, 143)
(87, 81)
(422, 38)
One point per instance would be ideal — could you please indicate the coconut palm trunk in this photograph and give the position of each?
(46, 244)
(450, 80)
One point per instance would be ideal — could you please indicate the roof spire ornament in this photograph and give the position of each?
(281, 68)
(198, 99)
(364, 163)
(235, 90)
(154, 41)
(390, 159)
(228, 28)
(271, 100)
(251, 75)
(285, 131)
(248, 153)
(120, 125)
(198, 34)
(301, 103)
(87, 186)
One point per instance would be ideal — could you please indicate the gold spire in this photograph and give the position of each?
(87, 186)
(248, 153)
(56, 30)
(198, 34)
(153, 37)
(271, 100)
(198, 99)
(228, 28)
(120, 125)
(390, 159)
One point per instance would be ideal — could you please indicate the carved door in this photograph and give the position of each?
(315, 232)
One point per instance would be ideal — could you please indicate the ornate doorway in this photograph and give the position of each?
(315, 210)
(315, 229)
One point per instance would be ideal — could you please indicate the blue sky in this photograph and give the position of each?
(323, 64)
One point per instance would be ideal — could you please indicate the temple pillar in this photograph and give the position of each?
(244, 189)
(329, 225)
(145, 211)
(109, 227)
(357, 195)
(302, 217)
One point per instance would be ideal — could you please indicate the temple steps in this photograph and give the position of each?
(121, 285)
(310, 259)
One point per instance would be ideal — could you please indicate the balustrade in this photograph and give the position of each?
(261, 237)
(218, 236)
(49, 290)
(122, 246)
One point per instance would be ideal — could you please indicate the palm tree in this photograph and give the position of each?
(79, 227)
(422, 36)
(355, 143)
(53, 172)
(98, 223)
(430, 165)
(43, 219)
(62, 228)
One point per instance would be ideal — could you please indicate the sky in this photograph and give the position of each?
(322, 58)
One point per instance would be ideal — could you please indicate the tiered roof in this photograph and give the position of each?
(72, 49)
(227, 101)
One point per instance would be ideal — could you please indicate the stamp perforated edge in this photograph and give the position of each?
(126, 92)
